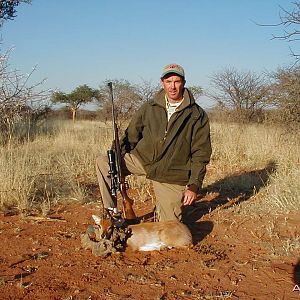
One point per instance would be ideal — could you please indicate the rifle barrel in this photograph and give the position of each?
(119, 184)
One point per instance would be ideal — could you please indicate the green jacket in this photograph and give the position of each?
(174, 152)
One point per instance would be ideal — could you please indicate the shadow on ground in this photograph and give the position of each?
(226, 192)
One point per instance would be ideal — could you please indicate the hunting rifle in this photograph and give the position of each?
(118, 182)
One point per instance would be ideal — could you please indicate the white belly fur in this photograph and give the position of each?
(153, 246)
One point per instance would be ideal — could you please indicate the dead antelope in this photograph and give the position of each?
(151, 236)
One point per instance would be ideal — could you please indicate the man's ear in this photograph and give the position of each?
(161, 83)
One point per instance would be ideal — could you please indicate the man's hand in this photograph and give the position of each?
(189, 197)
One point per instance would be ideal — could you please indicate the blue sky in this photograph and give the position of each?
(76, 42)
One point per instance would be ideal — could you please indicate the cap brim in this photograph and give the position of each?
(171, 72)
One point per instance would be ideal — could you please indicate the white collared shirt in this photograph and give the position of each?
(171, 107)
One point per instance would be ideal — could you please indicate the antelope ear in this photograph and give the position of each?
(97, 219)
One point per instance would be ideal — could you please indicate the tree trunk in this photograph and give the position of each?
(73, 114)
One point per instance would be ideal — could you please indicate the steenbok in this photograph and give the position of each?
(150, 236)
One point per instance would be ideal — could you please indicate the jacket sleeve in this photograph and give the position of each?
(133, 133)
(200, 152)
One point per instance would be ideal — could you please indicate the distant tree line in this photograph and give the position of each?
(239, 96)
(128, 97)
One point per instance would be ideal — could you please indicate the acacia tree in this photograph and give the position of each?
(126, 99)
(286, 93)
(290, 21)
(146, 91)
(21, 104)
(81, 95)
(8, 9)
(241, 91)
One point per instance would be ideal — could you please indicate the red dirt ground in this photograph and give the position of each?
(234, 257)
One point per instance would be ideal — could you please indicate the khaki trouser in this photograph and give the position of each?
(168, 196)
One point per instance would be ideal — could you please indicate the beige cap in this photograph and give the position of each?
(172, 68)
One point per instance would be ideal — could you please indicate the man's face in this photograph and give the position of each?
(173, 86)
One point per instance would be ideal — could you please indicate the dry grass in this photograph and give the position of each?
(59, 163)
(257, 160)
(52, 167)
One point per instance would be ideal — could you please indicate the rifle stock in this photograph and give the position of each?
(118, 182)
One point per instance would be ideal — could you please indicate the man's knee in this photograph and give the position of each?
(169, 211)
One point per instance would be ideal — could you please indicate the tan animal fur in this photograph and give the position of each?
(151, 236)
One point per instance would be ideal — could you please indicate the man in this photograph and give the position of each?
(168, 141)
